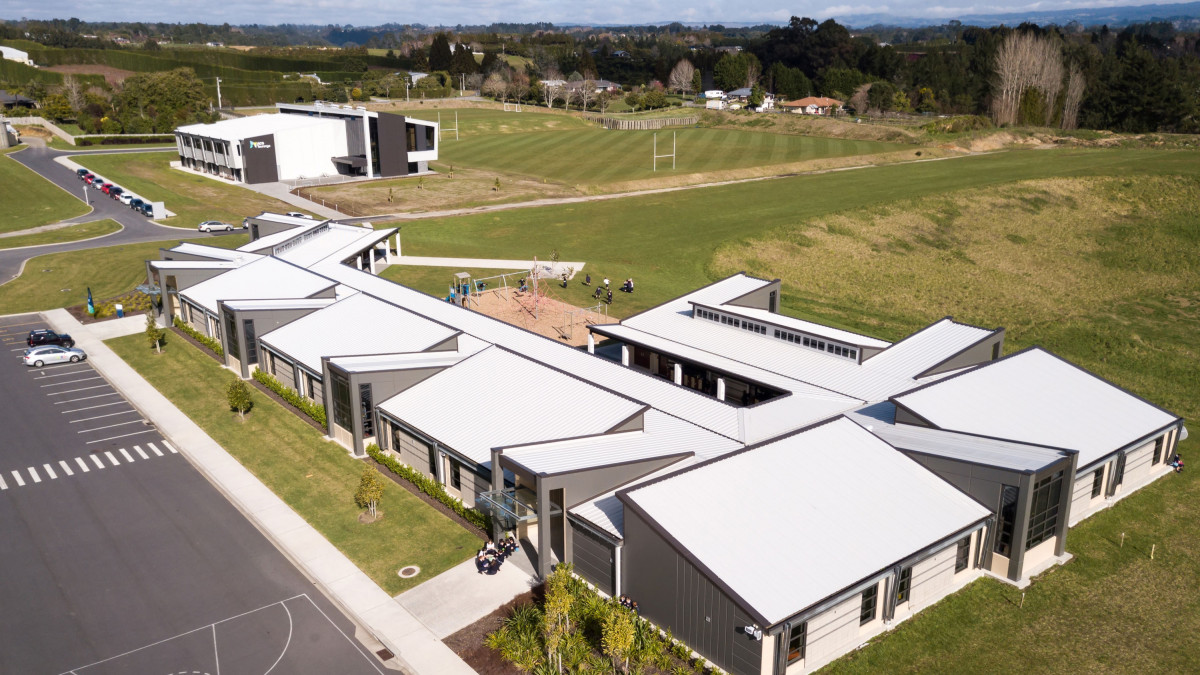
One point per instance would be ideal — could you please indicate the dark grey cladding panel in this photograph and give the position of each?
(356, 142)
(392, 145)
(593, 557)
(258, 154)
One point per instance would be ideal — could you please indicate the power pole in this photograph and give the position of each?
(218, 93)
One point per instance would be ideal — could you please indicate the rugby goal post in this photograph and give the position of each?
(442, 131)
(658, 156)
(512, 107)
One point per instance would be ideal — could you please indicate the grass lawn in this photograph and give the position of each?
(28, 200)
(193, 198)
(95, 228)
(317, 478)
(476, 123)
(62, 279)
(59, 144)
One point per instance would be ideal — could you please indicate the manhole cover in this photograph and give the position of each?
(409, 572)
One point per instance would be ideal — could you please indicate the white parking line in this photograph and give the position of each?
(17, 477)
(91, 407)
(127, 455)
(120, 424)
(66, 468)
(82, 464)
(112, 458)
(73, 372)
(141, 452)
(71, 391)
(50, 471)
(97, 462)
(88, 419)
(82, 379)
(3, 485)
(169, 446)
(33, 474)
(113, 438)
(155, 449)
(85, 398)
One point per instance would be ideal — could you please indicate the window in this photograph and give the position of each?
(995, 351)
(797, 641)
(853, 354)
(251, 344)
(904, 586)
(1043, 518)
(430, 138)
(870, 598)
(367, 409)
(1097, 482)
(1006, 520)
(433, 459)
(1119, 472)
(341, 399)
(1158, 446)
(962, 557)
(231, 324)
(455, 475)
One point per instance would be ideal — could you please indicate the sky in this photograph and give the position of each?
(452, 12)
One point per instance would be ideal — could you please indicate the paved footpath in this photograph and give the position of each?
(415, 645)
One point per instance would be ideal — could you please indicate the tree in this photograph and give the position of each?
(370, 491)
(440, 57)
(697, 81)
(681, 76)
(151, 45)
(654, 99)
(633, 100)
(73, 89)
(154, 332)
(618, 635)
(881, 96)
(757, 96)
(463, 61)
(57, 108)
(490, 62)
(495, 86)
(238, 394)
(519, 84)
(556, 619)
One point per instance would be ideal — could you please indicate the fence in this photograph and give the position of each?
(51, 126)
(649, 124)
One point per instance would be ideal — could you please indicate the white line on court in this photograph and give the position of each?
(155, 449)
(50, 471)
(97, 462)
(287, 644)
(141, 452)
(112, 458)
(119, 424)
(88, 419)
(34, 474)
(82, 379)
(82, 464)
(85, 398)
(354, 644)
(127, 455)
(113, 438)
(90, 407)
(17, 477)
(66, 468)
(71, 391)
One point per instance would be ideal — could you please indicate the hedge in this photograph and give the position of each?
(431, 487)
(213, 345)
(123, 140)
(304, 405)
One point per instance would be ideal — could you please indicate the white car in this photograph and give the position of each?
(127, 197)
(213, 226)
(40, 356)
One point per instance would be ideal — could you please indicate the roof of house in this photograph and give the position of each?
(740, 93)
(279, 303)
(785, 321)
(819, 101)
(338, 241)
(299, 227)
(235, 130)
(1033, 396)
(261, 279)
(214, 252)
(794, 521)
(497, 398)
(359, 324)
(14, 99)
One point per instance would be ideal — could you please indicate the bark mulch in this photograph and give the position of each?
(468, 642)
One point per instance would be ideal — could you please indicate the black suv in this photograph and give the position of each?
(45, 336)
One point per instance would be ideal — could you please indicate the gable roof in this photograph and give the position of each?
(262, 279)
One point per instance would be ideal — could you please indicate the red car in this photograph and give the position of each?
(106, 188)
(89, 178)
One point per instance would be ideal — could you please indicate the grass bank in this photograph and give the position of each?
(95, 228)
(28, 200)
(314, 476)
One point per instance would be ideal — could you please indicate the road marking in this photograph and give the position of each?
(3, 485)
(113, 438)
(66, 468)
(155, 449)
(82, 379)
(73, 372)
(112, 458)
(141, 452)
(85, 398)
(96, 460)
(17, 477)
(71, 391)
(34, 475)
(119, 424)
(90, 407)
(50, 472)
(127, 455)
(82, 464)
(88, 419)
(169, 446)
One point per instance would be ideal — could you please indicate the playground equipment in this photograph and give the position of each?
(583, 316)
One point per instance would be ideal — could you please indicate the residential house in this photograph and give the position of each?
(813, 105)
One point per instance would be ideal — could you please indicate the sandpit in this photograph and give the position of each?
(544, 315)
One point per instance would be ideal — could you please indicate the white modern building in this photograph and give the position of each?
(13, 54)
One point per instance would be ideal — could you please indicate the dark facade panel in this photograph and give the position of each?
(356, 144)
(392, 145)
(258, 156)
(593, 557)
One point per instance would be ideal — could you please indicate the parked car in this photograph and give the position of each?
(42, 337)
(115, 192)
(80, 173)
(214, 225)
(40, 356)
(126, 198)
(89, 178)
(297, 214)
(99, 183)
(136, 204)
(147, 209)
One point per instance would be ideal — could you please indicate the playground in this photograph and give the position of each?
(529, 301)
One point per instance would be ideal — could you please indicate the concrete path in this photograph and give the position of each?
(460, 596)
(488, 263)
(416, 646)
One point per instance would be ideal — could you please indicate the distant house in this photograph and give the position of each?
(9, 101)
(741, 98)
(15, 55)
(813, 105)
(600, 85)
(415, 76)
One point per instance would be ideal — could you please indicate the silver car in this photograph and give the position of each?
(213, 226)
(40, 356)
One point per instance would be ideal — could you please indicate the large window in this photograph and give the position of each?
(430, 138)
(1118, 476)
(1097, 482)
(1043, 517)
(367, 409)
(1158, 446)
(433, 460)
(904, 586)
(962, 556)
(251, 344)
(231, 325)
(341, 399)
(870, 601)
(455, 474)
(1006, 520)
(797, 642)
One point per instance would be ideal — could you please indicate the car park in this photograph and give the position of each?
(37, 357)
(214, 225)
(42, 337)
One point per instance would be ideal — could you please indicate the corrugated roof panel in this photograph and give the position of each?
(608, 513)
(214, 252)
(834, 504)
(803, 326)
(262, 279)
(928, 347)
(280, 303)
(340, 242)
(235, 130)
(1036, 397)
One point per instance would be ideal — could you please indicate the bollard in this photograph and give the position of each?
(1022, 605)
(1152, 551)
(1122, 540)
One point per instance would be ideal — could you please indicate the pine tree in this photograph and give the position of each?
(440, 57)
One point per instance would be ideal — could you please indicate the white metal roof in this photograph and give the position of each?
(1034, 396)
(262, 279)
(408, 361)
(497, 398)
(236, 130)
(214, 252)
(280, 303)
(195, 264)
(339, 242)
(792, 522)
(359, 324)
(297, 221)
(782, 320)
(271, 240)
(607, 513)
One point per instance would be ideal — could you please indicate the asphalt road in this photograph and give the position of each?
(119, 557)
(137, 228)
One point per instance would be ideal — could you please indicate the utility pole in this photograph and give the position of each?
(406, 90)
(218, 93)
(462, 83)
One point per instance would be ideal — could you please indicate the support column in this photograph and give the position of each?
(387, 252)
(678, 373)
(398, 253)
(720, 389)
(358, 262)
(591, 342)
(441, 464)
(545, 552)
(625, 355)
(371, 259)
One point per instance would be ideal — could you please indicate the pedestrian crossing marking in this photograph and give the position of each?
(66, 468)
(35, 475)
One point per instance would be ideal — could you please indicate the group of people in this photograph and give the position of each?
(606, 291)
(628, 604)
(493, 554)
(1176, 463)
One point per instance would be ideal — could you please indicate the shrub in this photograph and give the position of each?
(430, 487)
(314, 410)
(213, 345)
